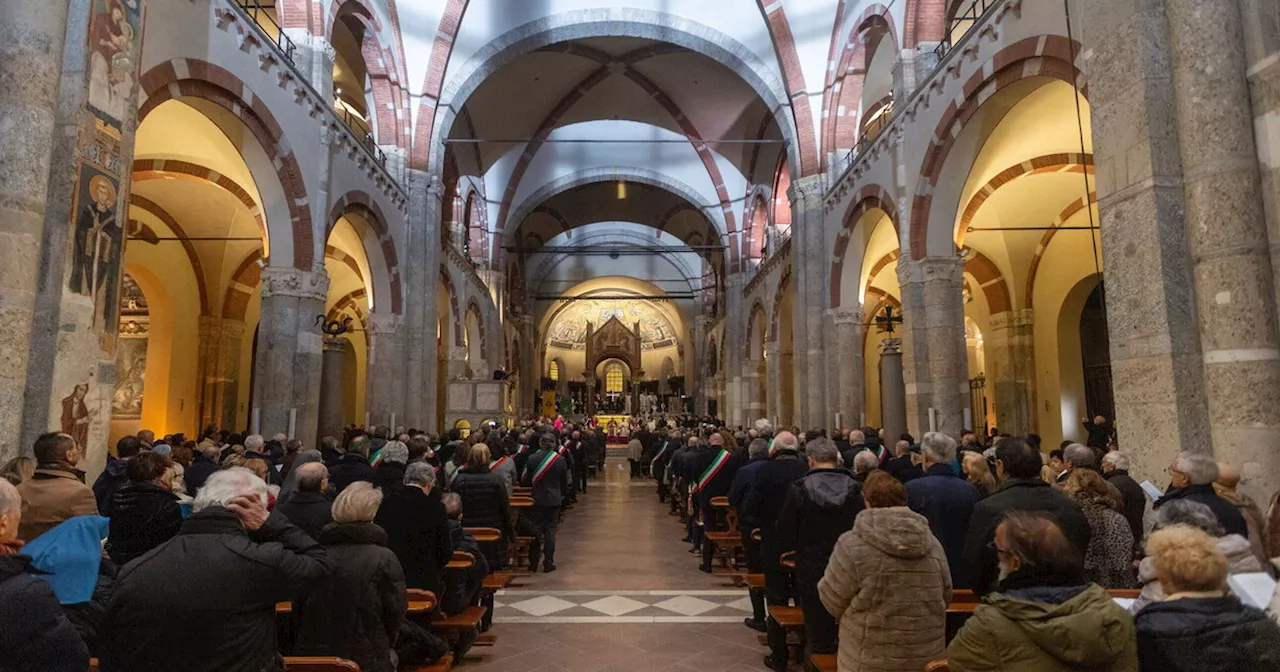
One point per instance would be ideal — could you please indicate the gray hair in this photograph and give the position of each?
(331, 443)
(1116, 459)
(10, 500)
(224, 486)
(1079, 456)
(857, 436)
(787, 442)
(1198, 467)
(211, 451)
(938, 447)
(395, 452)
(1187, 512)
(822, 451)
(358, 503)
(764, 426)
(452, 502)
(420, 474)
(254, 443)
(758, 447)
(359, 446)
(865, 460)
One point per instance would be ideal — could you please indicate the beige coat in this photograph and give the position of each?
(51, 496)
(635, 450)
(888, 584)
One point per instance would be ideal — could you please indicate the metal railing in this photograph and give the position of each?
(257, 10)
(363, 132)
(961, 23)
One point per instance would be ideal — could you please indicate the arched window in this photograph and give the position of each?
(554, 374)
(613, 378)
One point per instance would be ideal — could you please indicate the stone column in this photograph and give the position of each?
(288, 365)
(753, 405)
(219, 363)
(423, 275)
(530, 371)
(936, 372)
(893, 395)
(810, 265)
(848, 364)
(735, 365)
(1011, 363)
(773, 381)
(332, 391)
(385, 379)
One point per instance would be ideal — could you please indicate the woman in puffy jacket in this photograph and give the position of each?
(485, 504)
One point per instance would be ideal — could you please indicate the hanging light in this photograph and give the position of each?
(622, 190)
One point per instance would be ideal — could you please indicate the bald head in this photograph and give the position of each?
(312, 477)
(1228, 476)
(716, 439)
(785, 441)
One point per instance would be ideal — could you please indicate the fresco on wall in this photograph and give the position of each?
(131, 351)
(115, 27)
(76, 415)
(96, 243)
(569, 329)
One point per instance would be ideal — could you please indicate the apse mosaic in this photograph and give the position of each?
(569, 330)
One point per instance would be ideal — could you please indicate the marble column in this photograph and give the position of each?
(423, 274)
(936, 366)
(810, 266)
(530, 372)
(32, 32)
(893, 395)
(288, 365)
(848, 365)
(385, 378)
(1011, 366)
(773, 381)
(332, 390)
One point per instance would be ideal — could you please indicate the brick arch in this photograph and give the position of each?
(473, 307)
(871, 197)
(300, 14)
(331, 252)
(441, 51)
(175, 169)
(784, 44)
(551, 212)
(1043, 56)
(477, 222)
(1067, 213)
(243, 282)
(361, 203)
(754, 222)
(757, 312)
(1067, 162)
(447, 283)
(845, 80)
(163, 215)
(390, 107)
(774, 318)
(990, 280)
(926, 21)
(204, 80)
(353, 301)
(868, 316)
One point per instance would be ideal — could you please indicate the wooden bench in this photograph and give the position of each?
(443, 665)
(461, 560)
(484, 534)
(319, 664)
(495, 582)
(937, 666)
(823, 662)
(791, 620)
(726, 542)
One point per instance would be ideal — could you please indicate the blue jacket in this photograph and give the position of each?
(947, 501)
(68, 557)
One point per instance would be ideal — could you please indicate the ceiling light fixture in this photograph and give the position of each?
(622, 190)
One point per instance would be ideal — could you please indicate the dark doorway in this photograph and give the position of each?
(1095, 353)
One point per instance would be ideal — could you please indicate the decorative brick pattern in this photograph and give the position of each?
(174, 169)
(925, 22)
(473, 308)
(988, 276)
(1049, 163)
(360, 203)
(440, 53)
(784, 43)
(843, 93)
(757, 313)
(244, 281)
(871, 197)
(353, 303)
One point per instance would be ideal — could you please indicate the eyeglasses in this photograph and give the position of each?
(1000, 551)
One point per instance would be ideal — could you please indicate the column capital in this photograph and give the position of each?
(891, 346)
(846, 315)
(284, 281)
(335, 343)
(931, 269)
(805, 187)
(1010, 319)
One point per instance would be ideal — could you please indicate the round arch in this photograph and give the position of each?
(384, 265)
(872, 198)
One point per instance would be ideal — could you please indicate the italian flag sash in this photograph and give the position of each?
(453, 470)
(716, 465)
(520, 449)
(661, 452)
(880, 453)
(547, 461)
(497, 463)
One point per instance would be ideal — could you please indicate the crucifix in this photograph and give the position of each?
(885, 321)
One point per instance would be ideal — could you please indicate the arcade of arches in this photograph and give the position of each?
(828, 213)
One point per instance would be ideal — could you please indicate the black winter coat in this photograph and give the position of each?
(417, 534)
(390, 476)
(206, 599)
(1017, 494)
(764, 503)
(550, 489)
(1201, 634)
(109, 481)
(947, 502)
(143, 516)
(818, 509)
(311, 511)
(356, 612)
(484, 500)
(1227, 513)
(199, 472)
(34, 632)
(351, 467)
(1135, 500)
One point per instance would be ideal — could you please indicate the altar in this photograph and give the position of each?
(619, 420)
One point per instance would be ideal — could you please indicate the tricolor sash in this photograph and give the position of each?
(716, 465)
(547, 461)
(880, 452)
(497, 463)
(452, 469)
(661, 452)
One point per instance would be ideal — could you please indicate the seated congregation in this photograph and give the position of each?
(376, 553)
(937, 557)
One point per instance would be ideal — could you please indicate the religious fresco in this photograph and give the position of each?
(131, 351)
(569, 329)
(76, 414)
(115, 28)
(96, 243)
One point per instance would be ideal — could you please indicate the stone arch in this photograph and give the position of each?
(243, 282)
(176, 169)
(630, 239)
(473, 308)
(775, 313)
(926, 21)
(784, 46)
(871, 197)
(204, 80)
(139, 201)
(477, 226)
(754, 222)
(990, 280)
(390, 109)
(882, 299)
(362, 204)
(1066, 162)
(756, 319)
(845, 82)
(1048, 56)
(352, 301)
(1067, 213)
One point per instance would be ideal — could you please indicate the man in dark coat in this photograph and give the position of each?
(34, 631)
(113, 477)
(1115, 468)
(353, 466)
(946, 500)
(712, 482)
(578, 449)
(308, 507)
(857, 443)
(417, 528)
(901, 466)
(745, 480)
(1022, 489)
(205, 600)
(547, 473)
(1191, 478)
(1099, 432)
(203, 465)
(764, 505)
(818, 509)
(145, 513)
(666, 447)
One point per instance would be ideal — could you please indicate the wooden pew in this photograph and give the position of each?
(791, 619)
(319, 664)
(443, 665)
(728, 542)
(937, 666)
(484, 534)
(823, 662)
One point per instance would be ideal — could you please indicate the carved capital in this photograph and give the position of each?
(294, 282)
(891, 346)
(335, 343)
(845, 315)
(384, 324)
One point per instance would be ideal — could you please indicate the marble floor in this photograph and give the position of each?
(626, 597)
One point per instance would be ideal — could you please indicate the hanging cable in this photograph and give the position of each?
(1088, 200)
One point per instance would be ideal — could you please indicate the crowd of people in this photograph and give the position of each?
(178, 554)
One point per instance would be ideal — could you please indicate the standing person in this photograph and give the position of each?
(713, 482)
(485, 501)
(1115, 468)
(144, 513)
(203, 465)
(818, 508)
(744, 481)
(548, 475)
(635, 453)
(1108, 561)
(1099, 431)
(56, 491)
(417, 528)
(902, 466)
(205, 601)
(356, 612)
(113, 477)
(578, 449)
(390, 468)
(307, 504)
(888, 584)
(946, 501)
(353, 466)
(34, 631)
(658, 466)
(1226, 487)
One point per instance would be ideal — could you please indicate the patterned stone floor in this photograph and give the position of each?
(626, 597)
